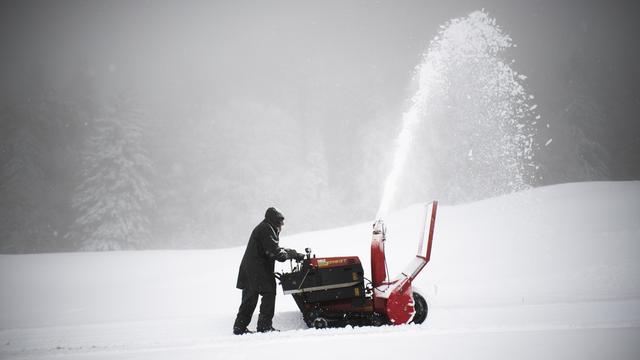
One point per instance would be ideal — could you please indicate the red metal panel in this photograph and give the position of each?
(400, 303)
(378, 271)
(431, 228)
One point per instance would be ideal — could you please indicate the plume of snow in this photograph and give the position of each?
(472, 102)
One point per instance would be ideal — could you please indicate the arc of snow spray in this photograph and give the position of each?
(403, 143)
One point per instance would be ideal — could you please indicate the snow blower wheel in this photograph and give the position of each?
(378, 320)
(320, 323)
(420, 307)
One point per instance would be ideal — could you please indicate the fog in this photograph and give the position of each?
(154, 124)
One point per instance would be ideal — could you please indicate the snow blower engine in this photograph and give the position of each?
(333, 292)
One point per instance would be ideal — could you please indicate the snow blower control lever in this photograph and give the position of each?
(331, 291)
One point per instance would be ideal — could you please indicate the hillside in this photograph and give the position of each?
(546, 273)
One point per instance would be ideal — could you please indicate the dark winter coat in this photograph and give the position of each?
(258, 262)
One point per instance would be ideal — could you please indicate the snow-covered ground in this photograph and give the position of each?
(548, 273)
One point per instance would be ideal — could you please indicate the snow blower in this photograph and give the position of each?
(333, 292)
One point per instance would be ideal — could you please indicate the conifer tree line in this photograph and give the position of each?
(99, 173)
(113, 178)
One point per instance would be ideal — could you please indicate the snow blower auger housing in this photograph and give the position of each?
(333, 291)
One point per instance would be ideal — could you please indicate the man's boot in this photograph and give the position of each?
(241, 331)
(269, 329)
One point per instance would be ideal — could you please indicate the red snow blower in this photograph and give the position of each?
(333, 292)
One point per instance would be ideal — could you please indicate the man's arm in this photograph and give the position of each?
(271, 248)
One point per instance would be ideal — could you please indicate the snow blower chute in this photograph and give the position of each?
(333, 292)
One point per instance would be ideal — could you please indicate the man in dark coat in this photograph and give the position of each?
(256, 277)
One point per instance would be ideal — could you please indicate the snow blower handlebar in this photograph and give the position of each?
(292, 254)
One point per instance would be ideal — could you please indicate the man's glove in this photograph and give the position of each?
(294, 255)
(291, 254)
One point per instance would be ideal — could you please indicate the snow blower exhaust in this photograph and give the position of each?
(333, 292)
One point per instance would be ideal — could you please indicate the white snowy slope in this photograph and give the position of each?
(550, 273)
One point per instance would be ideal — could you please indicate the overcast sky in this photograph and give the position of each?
(168, 51)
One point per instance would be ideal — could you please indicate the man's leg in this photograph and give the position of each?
(245, 312)
(267, 309)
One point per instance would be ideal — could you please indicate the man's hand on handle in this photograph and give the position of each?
(294, 255)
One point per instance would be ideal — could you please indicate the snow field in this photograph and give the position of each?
(546, 273)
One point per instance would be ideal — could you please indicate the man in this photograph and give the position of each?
(256, 277)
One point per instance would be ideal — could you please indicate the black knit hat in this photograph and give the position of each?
(274, 217)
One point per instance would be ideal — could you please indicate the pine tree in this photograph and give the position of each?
(22, 180)
(114, 198)
(249, 160)
(310, 201)
(35, 146)
(585, 122)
